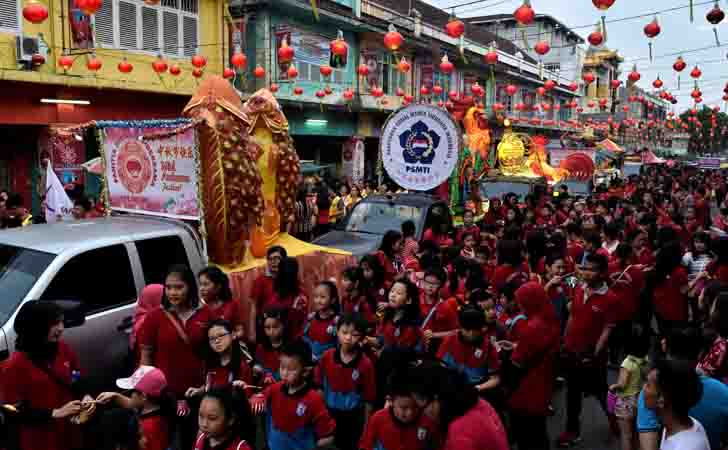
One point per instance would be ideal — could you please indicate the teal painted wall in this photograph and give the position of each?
(338, 123)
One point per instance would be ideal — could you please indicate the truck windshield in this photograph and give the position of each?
(20, 268)
(498, 189)
(378, 218)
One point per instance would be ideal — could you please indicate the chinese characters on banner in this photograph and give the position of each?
(152, 176)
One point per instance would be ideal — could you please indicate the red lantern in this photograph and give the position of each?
(524, 15)
(715, 15)
(424, 92)
(634, 76)
(573, 104)
(37, 59)
(88, 7)
(348, 95)
(324, 70)
(328, 90)
(455, 28)
(393, 40)
(596, 38)
(573, 87)
(65, 62)
(542, 48)
(400, 92)
(160, 66)
(228, 73)
(498, 107)
(491, 57)
(588, 78)
(696, 73)
(408, 99)
(546, 106)
(199, 61)
(679, 65)
(174, 70)
(696, 93)
(259, 72)
(591, 104)
(239, 60)
(436, 89)
(197, 72)
(541, 91)
(292, 72)
(404, 66)
(511, 90)
(94, 64)
(273, 87)
(285, 53)
(453, 95)
(320, 94)
(657, 84)
(549, 85)
(477, 90)
(625, 108)
(603, 102)
(298, 90)
(698, 100)
(446, 66)
(363, 70)
(377, 92)
(440, 104)
(35, 12)
(652, 29)
(616, 84)
(339, 47)
(125, 66)
(725, 98)
(580, 109)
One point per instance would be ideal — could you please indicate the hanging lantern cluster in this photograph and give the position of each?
(239, 60)
(160, 65)
(634, 76)
(404, 66)
(285, 52)
(588, 78)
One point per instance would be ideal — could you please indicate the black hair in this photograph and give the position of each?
(376, 266)
(557, 242)
(286, 283)
(679, 384)
(83, 202)
(333, 293)
(14, 201)
(408, 229)
(412, 309)
(467, 234)
(278, 314)
(612, 230)
(720, 249)
(32, 325)
(600, 261)
(573, 228)
(594, 239)
(684, 343)
(235, 404)
(188, 278)
(554, 256)
(471, 317)
(213, 358)
(355, 320)
(624, 252)
(437, 273)
(669, 257)
(461, 268)
(700, 236)
(719, 317)
(388, 241)
(535, 247)
(638, 344)
(277, 249)
(510, 252)
(219, 279)
(120, 429)
(299, 350)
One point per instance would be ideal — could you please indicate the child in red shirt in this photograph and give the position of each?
(467, 227)
(216, 293)
(320, 329)
(224, 422)
(439, 317)
(374, 280)
(354, 299)
(267, 354)
(469, 246)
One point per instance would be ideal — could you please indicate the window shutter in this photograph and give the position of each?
(150, 29)
(127, 25)
(104, 24)
(170, 32)
(9, 14)
(189, 35)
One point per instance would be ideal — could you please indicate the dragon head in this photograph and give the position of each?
(263, 104)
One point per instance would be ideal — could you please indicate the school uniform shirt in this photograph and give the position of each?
(401, 335)
(670, 303)
(591, 311)
(346, 386)
(181, 362)
(320, 334)
(440, 240)
(296, 421)
(501, 276)
(477, 362)
(223, 376)
(443, 315)
(628, 295)
(233, 443)
(262, 291)
(478, 429)
(360, 306)
(385, 432)
(472, 229)
(230, 311)
(269, 360)
(156, 430)
(42, 389)
(296, 308)
(390, 266)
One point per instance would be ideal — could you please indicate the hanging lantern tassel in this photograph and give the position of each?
(650, 45)
(540, 69)
(524, 39)
(461, 46)
(692, 12)
(604, 27)
(314, 6)
(418, 23)
(715, 33)
(678, 82)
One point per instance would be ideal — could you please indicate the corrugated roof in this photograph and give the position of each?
(510, 18)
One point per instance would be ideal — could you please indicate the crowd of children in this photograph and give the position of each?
(456, 341)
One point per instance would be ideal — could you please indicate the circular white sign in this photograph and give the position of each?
(420, 145)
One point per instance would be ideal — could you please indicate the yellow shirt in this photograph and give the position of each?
(634, 366)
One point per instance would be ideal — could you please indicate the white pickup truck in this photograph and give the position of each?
(94, 269)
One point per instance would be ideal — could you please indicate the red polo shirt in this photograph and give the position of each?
(346, 386)
(181, 362)
(628, 295)
(359, 306)
(223, 376)
(588, 318)
(230, 311)
(262, 291)
(296, 420)
(670, 303)
(443, 318)
(402, 335)
(384, 432)
(156, 430)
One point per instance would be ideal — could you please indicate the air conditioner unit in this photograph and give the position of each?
(26, 47)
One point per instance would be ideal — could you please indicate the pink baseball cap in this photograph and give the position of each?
(146, 379)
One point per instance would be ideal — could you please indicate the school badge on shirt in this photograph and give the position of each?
(421, 433)
(478, 353)
(301, 409)
(355, 374)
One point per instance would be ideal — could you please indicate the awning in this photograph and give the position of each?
(308, 168)
(611, 146)
(650, 158)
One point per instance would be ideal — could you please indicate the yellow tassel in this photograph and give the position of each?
(315, 9)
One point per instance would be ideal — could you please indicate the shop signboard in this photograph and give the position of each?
(151, 174)
(419, 147)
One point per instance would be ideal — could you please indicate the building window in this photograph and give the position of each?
(9, 15)
(552, 67)
(171, 28)
(312, 51)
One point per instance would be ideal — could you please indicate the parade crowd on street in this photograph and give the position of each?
(457, 341)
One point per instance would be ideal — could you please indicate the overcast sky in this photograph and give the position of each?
(678, 35)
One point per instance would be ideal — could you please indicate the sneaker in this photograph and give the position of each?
(568, 439)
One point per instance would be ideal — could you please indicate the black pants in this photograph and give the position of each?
(349, 428)
(529, 432)
(581, 380)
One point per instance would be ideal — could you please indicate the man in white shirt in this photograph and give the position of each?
(672, 388)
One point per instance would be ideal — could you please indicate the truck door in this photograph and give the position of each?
(102, 279)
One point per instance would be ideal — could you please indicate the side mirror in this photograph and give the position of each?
(73, 313)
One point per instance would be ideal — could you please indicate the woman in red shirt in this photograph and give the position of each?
(216, 293)
(388, 254)
(669, 294)
(289, 296)
(173, 338)
(42, 380)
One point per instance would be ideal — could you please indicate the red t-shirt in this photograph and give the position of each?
(384, 432)
(359, 306)
(223, 376)
(181, 362)
(262, 291)
(439, 239)
(670, 303)
(471, 229)
(628, 295)
(296, 416)
(269, 359)
(536, 351)
(390, 272)
(24, 382)
(297, 310)
(401, 335)
(479, 428)
(477, 361)
(230, 311)
(443, 318)
(156, 430)
(588, 319)
(501, 275)
(346, 386)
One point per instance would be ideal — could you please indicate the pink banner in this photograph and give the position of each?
(152, 176)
